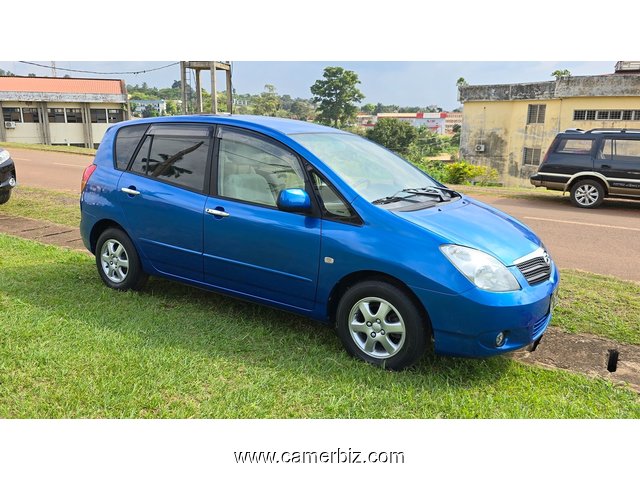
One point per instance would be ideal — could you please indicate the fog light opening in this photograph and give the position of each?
(501, 338)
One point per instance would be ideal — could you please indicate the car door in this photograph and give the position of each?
(163, 197)
(618, 160)
(251, 247)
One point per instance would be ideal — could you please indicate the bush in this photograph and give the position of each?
(461, 173)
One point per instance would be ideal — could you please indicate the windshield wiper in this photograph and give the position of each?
(393, 198)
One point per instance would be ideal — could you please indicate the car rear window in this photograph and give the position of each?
(576, 146)
(127, 140)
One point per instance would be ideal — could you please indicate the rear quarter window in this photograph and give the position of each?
(575, 146)
(127, 140)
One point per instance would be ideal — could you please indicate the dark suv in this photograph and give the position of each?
(592, 165)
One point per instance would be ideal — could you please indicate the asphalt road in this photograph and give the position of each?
(605, 240)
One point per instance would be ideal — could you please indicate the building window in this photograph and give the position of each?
(535, 114)
(11, 114)
(56, 115)
(115, 115)
(74, 115)
(531, 156)
(624, 115)
(30, 115)
(98, 115)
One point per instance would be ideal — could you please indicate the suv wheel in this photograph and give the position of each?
(587, 194)
(118, 262)
(5, 195)
(378, 323)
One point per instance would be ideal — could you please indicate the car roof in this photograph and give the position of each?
(600, 131)
(285, 126)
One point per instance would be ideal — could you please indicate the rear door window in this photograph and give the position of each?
(621, 150)
(175, 154)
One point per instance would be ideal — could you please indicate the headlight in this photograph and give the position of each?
(4, 156)
(483, 270)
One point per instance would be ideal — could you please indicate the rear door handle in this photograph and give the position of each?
(130, 191)
(217, 213)
(605, 166)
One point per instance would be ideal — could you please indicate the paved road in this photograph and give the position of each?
(605, 240)
(54, 170)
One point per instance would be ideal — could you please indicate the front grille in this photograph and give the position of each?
(535, 270)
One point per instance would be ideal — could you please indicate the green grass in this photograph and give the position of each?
(507, 192)
(41, 204)
(70, 347)
(598, 304)
(49, 148)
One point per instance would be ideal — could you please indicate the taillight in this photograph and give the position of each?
(86, 174)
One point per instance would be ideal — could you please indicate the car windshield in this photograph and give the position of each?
(374, 172)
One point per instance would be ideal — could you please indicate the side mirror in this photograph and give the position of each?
(294, 200)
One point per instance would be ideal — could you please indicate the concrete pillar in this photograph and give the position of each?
(229, 92)
(214, 90)
(45, 130)
(198, 92)
(3, 131)
(86, 125)
(183, 83)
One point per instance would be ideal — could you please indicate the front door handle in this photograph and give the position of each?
(217, 213)
(130, 191)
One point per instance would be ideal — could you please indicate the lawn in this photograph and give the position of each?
(70, 347)
(41, 204)
(49, 148)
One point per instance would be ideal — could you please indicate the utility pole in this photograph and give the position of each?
(54, 72)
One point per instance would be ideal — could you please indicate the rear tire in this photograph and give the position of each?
(118, 262)
(5, 195)
(380, 324)
(587, 194)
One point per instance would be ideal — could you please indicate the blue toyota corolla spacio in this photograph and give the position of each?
(319, 222)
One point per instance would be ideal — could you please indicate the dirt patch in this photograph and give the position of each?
(588, 354)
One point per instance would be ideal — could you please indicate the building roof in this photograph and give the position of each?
(62, 85)
(612, 85)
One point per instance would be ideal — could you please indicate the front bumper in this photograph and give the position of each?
(7, 175)
(467, 325)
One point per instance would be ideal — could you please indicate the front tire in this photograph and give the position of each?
(378, 323)
(587, 194)
(5, 195)
(118, 262)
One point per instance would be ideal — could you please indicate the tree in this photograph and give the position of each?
(268, 102)
(561, 73)
(301, 109)
(455, 139)
(336, 95)
(369, 109)
(394, 134)
(461, 82)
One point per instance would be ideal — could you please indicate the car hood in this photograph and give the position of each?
(477, 225)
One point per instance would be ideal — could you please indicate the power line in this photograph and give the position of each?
(101, 73)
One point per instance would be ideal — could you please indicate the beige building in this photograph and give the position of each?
(60, 111)
(510, 127)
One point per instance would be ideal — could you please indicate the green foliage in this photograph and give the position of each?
(336, 96)
(461, 173)
(394, 134)
(560, 73)
(268, 103)
(6, 73)
(455, 138)
(461, 82)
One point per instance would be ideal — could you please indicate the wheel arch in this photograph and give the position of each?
(100, 227)
(354, 278)
(588, 176)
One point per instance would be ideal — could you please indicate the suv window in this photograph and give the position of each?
(254, 169)
(127, 139)
(576, 146)
(176, 154)
(621, 149)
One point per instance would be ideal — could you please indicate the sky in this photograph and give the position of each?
(403, 83)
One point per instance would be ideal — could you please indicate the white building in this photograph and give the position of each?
(158, 106)
(60, 111)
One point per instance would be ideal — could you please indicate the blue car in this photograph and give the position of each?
(319, 222)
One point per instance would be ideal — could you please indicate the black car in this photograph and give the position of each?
(7, 176)
(592, 165)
